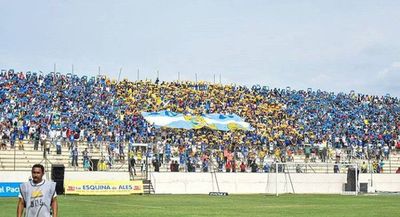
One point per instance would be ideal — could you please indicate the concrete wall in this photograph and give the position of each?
(97, 176)
(382, 182)
(234, 183)
(23, 176)
(14, 176)
(255, 183)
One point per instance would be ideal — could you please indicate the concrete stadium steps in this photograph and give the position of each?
(24, 159)
(317, 167)
(389, 167)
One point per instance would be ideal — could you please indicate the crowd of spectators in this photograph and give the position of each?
(57, 109)
(66, 110)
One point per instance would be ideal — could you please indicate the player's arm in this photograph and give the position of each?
(20, 207)
(54, 206)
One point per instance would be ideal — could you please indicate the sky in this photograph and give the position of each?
(333, 45)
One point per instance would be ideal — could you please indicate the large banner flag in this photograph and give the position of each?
(213, 121)
(103, 187)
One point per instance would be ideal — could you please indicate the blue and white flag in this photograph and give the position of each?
(213, 121)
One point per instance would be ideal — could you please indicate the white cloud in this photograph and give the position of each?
(392, 71)
(385, 81)
(390, 74)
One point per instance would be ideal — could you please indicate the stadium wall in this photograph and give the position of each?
(234, 183)
(23, 176)
(261, 183)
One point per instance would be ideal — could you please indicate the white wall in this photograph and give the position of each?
(23, 176)
(235, 183)
(251, 183)
(118, 176)
(14, 176)
(382, 182)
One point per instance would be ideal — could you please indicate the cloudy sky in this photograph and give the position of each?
(329, 45)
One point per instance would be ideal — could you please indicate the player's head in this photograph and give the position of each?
(37, 173)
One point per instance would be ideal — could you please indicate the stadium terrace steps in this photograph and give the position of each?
(312, 167)
(24, 159)
(148, 187)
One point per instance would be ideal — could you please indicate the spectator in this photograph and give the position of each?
(375, 167)
(58, 146)
(13, 139)
(266, 168)
(228, 166)
(46, 146)
(254, 167)
(205, 165)
(156, 165)
(36, 139)
(364, 167)
(242, 167)
(176, 166)
(336, 168)
(298, 169)
(143, 167)
(43, 138)
(234, 166)
(338, 152)
(3, 145)
(86, 160)
(74, 154)
(132, 165)
(132, 162)
(172, 166)
(21, 141)
(380, 166)
(102, 165)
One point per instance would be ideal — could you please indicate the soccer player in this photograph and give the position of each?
(37, 196)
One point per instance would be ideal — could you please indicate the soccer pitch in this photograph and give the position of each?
(232, 205)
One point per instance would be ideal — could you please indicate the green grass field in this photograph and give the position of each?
(232, 205)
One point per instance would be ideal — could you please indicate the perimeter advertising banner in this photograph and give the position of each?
(9, 189)
(103, 187)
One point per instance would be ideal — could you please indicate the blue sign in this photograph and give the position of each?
(9, 189)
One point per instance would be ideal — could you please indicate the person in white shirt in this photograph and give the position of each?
(38, 197)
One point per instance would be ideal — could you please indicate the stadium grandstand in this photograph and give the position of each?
(95, 123)
(199, 108)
